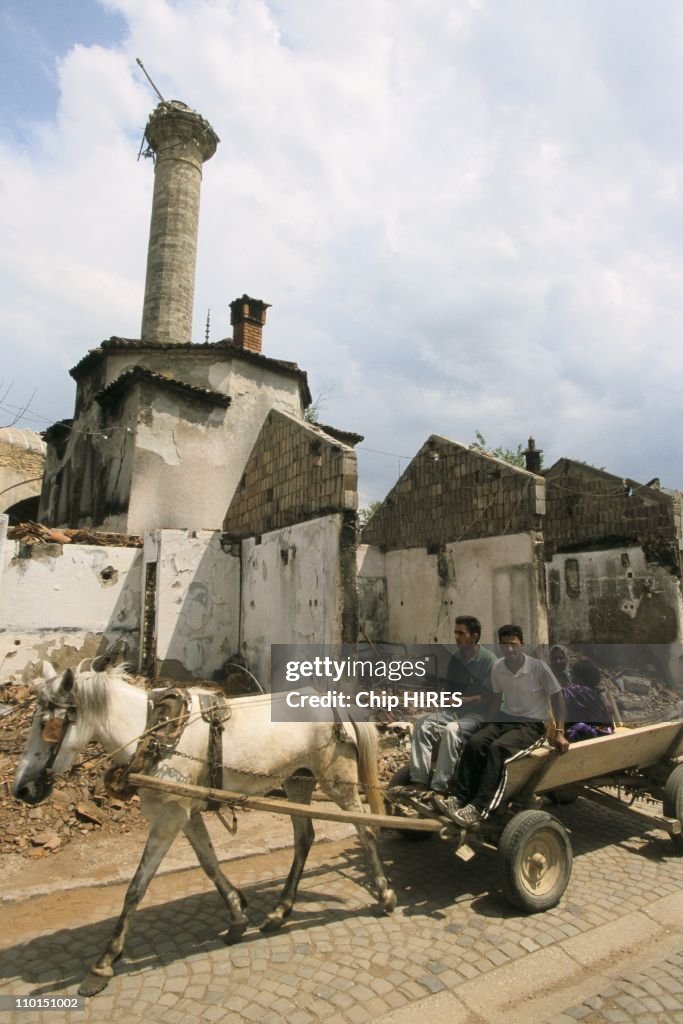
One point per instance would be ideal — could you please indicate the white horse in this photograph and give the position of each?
(258, 754)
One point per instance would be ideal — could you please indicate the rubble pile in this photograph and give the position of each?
(34, 533)
(78, 804)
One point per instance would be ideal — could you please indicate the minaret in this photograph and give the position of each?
(181, 140)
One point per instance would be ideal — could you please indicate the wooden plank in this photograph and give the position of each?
(625, 748)
(275, 806)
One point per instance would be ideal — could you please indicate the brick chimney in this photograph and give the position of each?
(247, 317)
(533, 457)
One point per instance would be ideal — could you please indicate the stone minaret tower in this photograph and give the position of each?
(181, 141)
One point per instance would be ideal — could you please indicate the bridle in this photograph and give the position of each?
(56, 717)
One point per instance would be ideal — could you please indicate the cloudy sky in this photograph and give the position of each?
(467, 214)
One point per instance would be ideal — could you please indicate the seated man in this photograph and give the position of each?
(524, 686)
(468, 673)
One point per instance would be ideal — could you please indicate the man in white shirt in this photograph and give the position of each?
(527, 693)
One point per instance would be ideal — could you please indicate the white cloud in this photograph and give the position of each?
(466, 215)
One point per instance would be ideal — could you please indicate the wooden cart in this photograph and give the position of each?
(534, 849)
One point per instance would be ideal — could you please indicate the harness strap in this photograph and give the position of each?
(215, 711)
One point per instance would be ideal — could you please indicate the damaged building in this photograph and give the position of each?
(233, 520)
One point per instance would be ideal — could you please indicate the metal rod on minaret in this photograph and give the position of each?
(144, 71)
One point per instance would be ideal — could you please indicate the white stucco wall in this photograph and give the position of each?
(610, 596)
(187, 469)
(496, 579)
(197, 602)
(291, 590)
(65, 603)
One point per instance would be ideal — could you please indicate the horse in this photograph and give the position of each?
(75, 708)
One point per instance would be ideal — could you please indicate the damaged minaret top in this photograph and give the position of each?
(181, 140)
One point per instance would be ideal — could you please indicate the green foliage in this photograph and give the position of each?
(366, 513)
(515, 458)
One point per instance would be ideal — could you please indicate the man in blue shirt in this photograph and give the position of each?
(468, 674)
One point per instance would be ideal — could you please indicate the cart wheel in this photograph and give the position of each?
(534, 861)
(672, 804)
(402, 778)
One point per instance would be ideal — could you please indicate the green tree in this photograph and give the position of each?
(366, 513)
(515, 458)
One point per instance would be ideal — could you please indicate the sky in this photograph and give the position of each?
(467, 214)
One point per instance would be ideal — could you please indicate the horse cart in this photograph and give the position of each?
(167, 747)
(533, 846)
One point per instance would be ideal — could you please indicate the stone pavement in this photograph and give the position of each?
(454, 950)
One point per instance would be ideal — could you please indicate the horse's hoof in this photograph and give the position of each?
(92, 984)
(234, 933)
(388, 901)
(272, 923)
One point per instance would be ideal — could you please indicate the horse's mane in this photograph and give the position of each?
(92, 690)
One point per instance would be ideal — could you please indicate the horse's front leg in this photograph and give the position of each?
(163, 831)
(300, 792)
(198, 835)
(346, 795)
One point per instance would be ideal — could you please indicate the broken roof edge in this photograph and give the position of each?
(503, 463)
(140, 374)
(605, 474)
(57, 429)
(348, 437)
(327, 434)
(226, 345)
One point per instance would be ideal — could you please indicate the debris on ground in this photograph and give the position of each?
(33, 533)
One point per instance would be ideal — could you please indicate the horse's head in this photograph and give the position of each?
(54, 739)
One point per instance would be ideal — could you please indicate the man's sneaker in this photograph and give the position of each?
(446, 805)
(467, 816)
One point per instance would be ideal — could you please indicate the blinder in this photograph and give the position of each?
(56, 718)
(53, 729)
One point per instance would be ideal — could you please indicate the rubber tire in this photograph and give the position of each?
(672, 804)
(402, 778)
(528, 833)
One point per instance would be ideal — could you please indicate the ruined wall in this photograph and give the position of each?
(452, 492)
(67, 602)
(411, 596)
(88, 467)
(612, 597)
(181, 463)
(589, 507)
(145, 457)
(294, 472)
(191, 604)
(296, 588)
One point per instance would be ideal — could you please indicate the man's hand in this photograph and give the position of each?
(559, 742)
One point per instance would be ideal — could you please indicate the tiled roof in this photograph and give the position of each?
(226, 346)
(142, 374)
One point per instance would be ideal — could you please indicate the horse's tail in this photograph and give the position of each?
(368, 773)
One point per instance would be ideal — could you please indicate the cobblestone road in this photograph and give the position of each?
(337, 960)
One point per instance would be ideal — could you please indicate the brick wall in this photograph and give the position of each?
(28, 462)
(295, 472)
(452, 492)
(588, 507)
